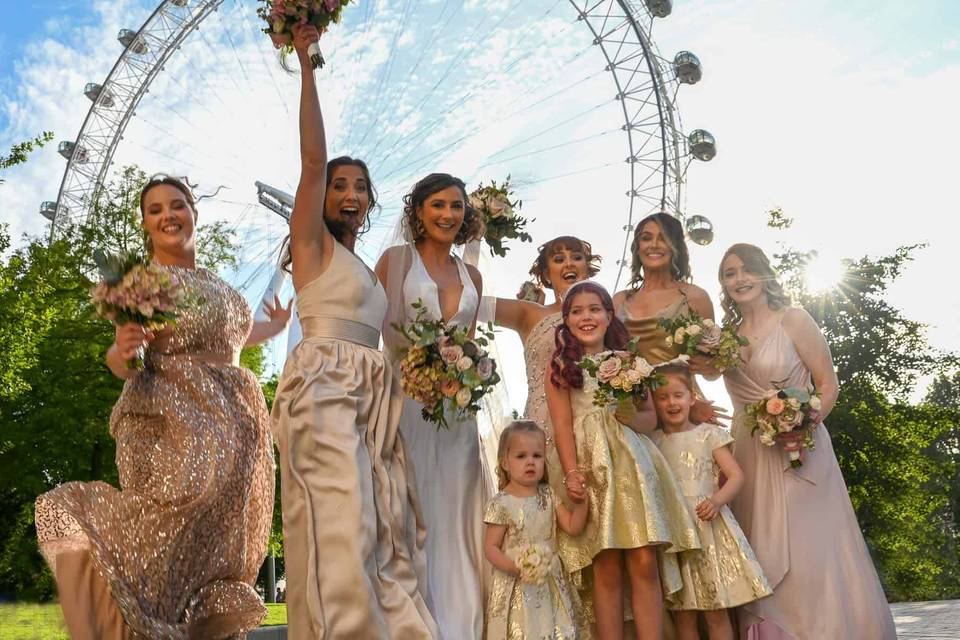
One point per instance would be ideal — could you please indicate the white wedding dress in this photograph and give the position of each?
(450, 481)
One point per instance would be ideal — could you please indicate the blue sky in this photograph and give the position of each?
(843, 113)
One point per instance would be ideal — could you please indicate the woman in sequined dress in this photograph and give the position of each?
(175, 552)
(353, 543)
(560, 263)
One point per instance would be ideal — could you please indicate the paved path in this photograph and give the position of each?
(914, 620)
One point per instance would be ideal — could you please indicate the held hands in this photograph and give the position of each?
(707, 510)
(278, 314)
(576, 485)
(130, 338)
(303, 36)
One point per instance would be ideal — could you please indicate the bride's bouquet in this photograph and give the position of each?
(788, 416)
(443, 368)
(623, 375)
(693, 335)
(282, 15)
(134, 290)
(500, 216)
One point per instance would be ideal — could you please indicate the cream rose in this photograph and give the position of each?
(815, 403)
(641, 366)
(463, 397)
(464, 363)
(679, 335)
(694, 330)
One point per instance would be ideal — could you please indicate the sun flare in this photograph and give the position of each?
(823, 274)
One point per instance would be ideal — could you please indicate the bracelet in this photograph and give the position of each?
(567, 475)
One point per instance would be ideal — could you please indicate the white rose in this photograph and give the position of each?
(463, 397)
(632, 376)
(815, 403)
(476, 202)
(641, 366)
(694, 330)
(464, 363)
(679, 335)
(708, 323)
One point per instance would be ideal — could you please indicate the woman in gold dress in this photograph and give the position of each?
(353, 543)
(175, 552)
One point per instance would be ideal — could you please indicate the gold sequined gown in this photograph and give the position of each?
(181, 542)
(353, 544)
(538, 347)
(800, 522)
(521, 611)
(634, 499)
(724, 573)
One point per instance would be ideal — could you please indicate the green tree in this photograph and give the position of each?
(20, 151)
(56, 393)
(895, 456)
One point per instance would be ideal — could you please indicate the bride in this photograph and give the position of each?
(447, 464)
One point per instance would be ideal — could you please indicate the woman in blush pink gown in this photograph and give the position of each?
(799, 522)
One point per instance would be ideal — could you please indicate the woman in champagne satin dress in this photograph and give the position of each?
(799, 521)
(175, 552)
(353, 545)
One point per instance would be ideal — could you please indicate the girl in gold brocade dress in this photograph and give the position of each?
(529, 605)
(175, 552)
(724, 573)
(636, 507)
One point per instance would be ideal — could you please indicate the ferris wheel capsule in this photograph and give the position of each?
(687, 67)
(179, 3)
(700, 230)
(70, 150)
(95, 92)
(130, 41)
(48, 210)
(702, 145)
(659, 8)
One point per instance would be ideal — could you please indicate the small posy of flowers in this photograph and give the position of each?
(500, 216)
(534, 563)
(693, 336)
(622, 375)
(282, 15)
(134, 290)
(443, 368)
(786, 415)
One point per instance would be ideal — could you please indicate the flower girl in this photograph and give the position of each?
(638, 520)
(531, 596)
(725, 573)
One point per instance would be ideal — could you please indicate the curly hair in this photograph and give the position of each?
(473, 226)
(503, 448)
(338, 232)
(564, 372)
(756, 262)
(180, 184)
(680, 256)
(570, 243)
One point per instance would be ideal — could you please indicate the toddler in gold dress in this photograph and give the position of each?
(531, 596)
(724, 573)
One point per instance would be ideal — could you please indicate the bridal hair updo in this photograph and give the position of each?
(679, 255)
(472, 228)
(180, 184)
(756, 262)
(558, 244)
(564, 371)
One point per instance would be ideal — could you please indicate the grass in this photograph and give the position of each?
(44, 622)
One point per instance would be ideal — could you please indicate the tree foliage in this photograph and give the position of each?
(20, 151)
(899, 458)
(56, 393)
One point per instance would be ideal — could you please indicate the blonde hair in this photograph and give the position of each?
(503, 448)
(683, 372)
(756, 262)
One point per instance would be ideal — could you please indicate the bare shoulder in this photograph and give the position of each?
(620, 297)
(695, 294)
(474, 275)
(797, 319)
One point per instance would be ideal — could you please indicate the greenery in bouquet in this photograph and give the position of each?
(443, 368)
(622, 375)
(500, 216)
(282, 16)
(788, 416)
(696, 336)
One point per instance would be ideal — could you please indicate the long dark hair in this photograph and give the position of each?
(756, 262)
(680, 256)
(570, 243)
(180, 184)
(564, 372)
(472, 228)
(338, 232)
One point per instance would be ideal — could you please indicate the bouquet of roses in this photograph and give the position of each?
(500, 215)
(443, 368)
(622, 375)
(535, 562)
(693, 335)
(282, 15)
(783, 411)
(133, 290)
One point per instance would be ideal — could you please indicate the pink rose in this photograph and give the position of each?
(331, 5)
(775, 406)
(451, 354)
(608, 369)
(710, 340)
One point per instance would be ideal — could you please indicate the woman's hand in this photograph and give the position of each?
(703, 410)
(130, 338)
(703, 365)
(303, 36)
(278, 314)
(576, 485)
